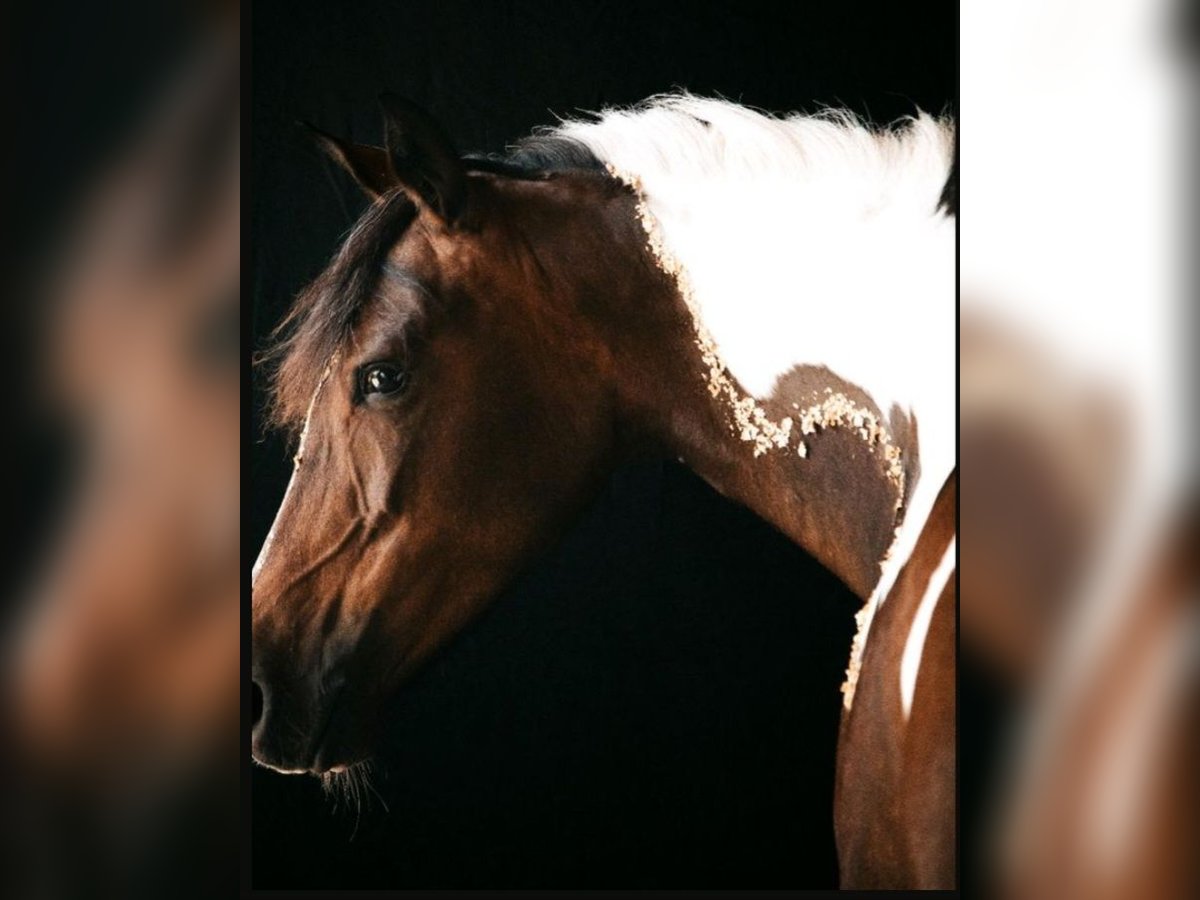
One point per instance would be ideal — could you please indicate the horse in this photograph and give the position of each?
(768, 300)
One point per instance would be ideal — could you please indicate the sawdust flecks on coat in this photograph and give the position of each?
(750, 421)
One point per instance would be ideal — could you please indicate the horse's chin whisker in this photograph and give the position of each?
(351, 785)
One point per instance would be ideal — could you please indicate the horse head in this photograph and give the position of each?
(457, 399)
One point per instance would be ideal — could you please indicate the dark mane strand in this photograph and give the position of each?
(536, 156)
(322, 317)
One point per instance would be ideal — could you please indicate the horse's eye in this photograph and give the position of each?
(381, 378)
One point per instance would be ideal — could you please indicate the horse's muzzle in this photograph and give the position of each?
(292, 722)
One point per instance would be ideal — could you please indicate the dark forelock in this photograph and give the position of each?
(321, 319)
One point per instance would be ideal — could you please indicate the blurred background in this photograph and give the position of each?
(1078, 615)
(119, 620)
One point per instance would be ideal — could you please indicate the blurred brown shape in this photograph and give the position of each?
(1042, 452)
(1106, 804)
(1077, 511)
(125, 670)
(1096, 803)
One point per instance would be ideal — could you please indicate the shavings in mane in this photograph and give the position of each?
(322, 317)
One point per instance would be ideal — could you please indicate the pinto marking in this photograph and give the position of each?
(837, 214)
(909, 531)
(814, 197)
(750, 421)
(914, 647)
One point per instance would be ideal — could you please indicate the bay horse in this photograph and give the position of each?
(769, 300)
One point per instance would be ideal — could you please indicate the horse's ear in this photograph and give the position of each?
(366, 164)
(422, 158)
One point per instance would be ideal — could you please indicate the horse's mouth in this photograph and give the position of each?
(328, 753)
(323, 760)
(343, 740)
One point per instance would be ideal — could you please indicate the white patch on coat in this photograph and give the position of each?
(914, 647)
(807, 240)
(916, 515)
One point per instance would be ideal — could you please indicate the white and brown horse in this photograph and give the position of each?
(771, 301)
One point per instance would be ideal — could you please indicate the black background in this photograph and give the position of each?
(655, 703)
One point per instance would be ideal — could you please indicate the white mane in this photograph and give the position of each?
(793, 228)
(808, 240)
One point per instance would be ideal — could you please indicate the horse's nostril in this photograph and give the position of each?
(260, 702)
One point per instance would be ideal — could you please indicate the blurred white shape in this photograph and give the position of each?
(1072, 234)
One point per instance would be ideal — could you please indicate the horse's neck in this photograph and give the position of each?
(817, 340)
(840, 500)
